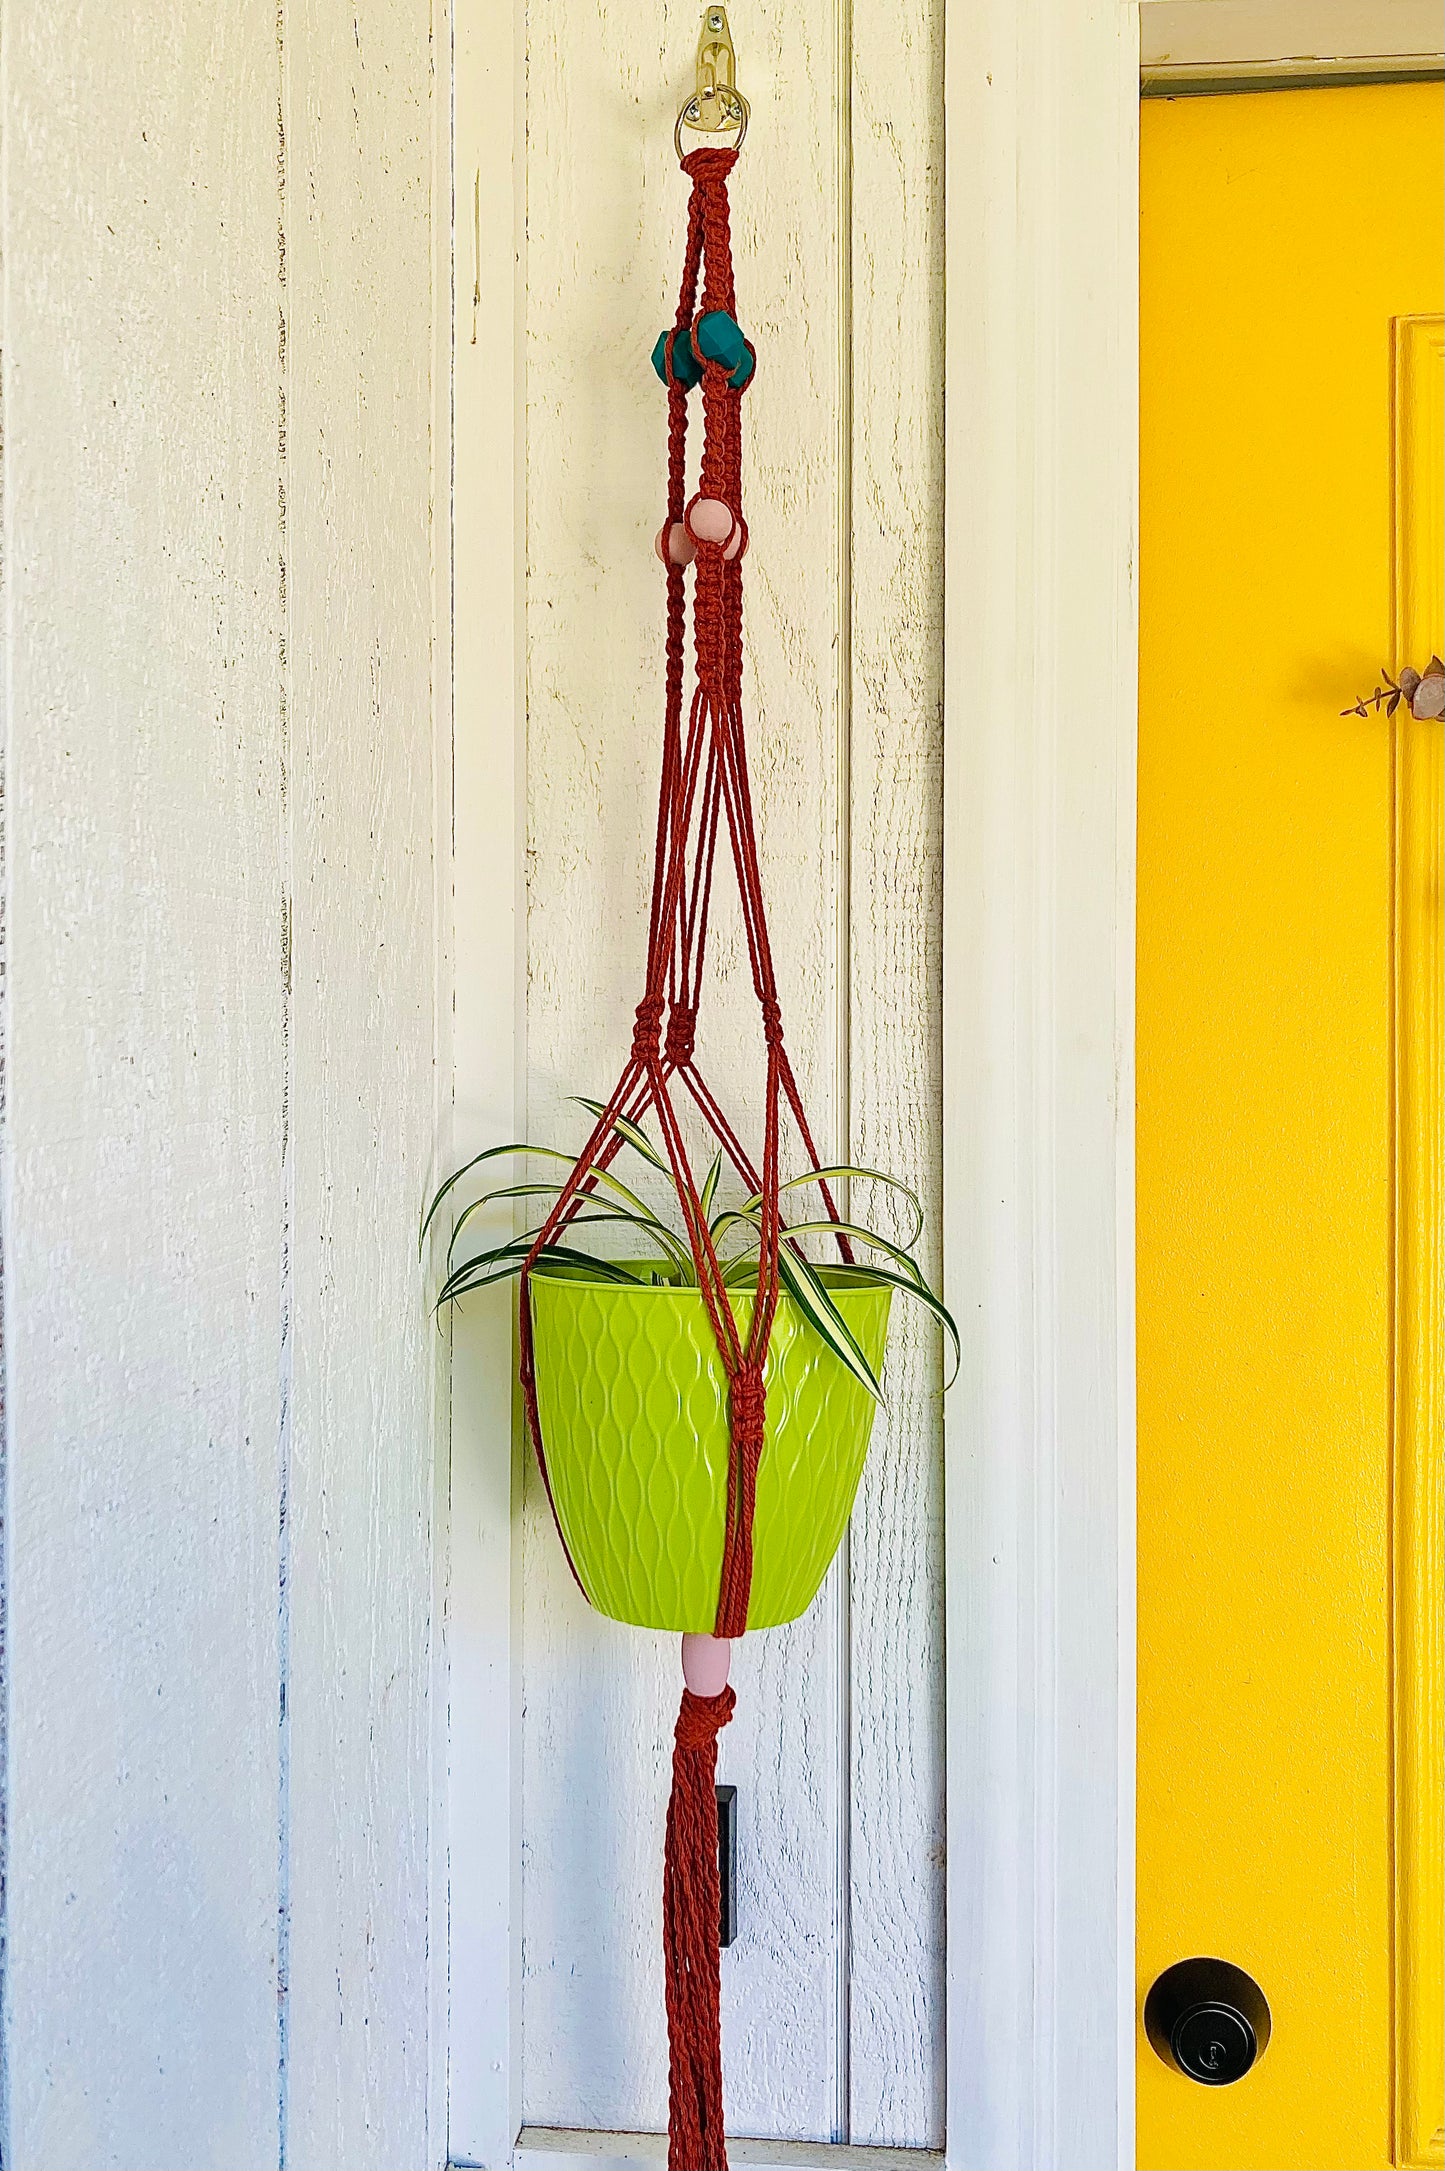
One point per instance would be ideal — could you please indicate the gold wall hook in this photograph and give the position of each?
(717, 106)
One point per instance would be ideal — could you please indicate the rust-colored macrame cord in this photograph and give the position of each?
(704, 787)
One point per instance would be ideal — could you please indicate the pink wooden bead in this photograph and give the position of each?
(705, 1661)
(674, 545)
(710, 520)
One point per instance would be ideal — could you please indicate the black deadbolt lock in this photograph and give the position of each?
(1208, 2020)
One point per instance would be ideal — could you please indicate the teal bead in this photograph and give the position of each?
(718, 338)
(686, 367)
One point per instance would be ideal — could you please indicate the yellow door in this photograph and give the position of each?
(1289, 1122)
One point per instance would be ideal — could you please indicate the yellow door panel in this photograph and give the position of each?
(1420, 1271)
(1282, 236)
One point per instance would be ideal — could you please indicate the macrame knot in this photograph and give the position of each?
(748, 1404)
(708, 165)
(772, 1021)
(702, 1718)
(681, 1035)
(646, 1033)
(747, 1407)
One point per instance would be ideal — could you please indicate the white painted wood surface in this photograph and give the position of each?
(357, 475)
(893, 1895)
(220, 1023)
(484, 1649)
(1040, 650)
(813, 2044)
(145, 1077)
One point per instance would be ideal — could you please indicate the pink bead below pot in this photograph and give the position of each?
(705, 1662)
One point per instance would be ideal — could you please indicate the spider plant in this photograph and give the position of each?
(664, 1256)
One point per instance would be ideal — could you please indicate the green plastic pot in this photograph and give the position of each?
(632, 1404)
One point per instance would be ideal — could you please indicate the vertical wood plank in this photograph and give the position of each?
(605, 212)
(142, 1210)
(483, 1639)
(783, 1749)
(443, 117)
(1039, 688)
(895, 1750)
(357, 482)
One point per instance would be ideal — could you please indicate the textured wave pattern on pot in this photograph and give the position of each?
(632, 1400)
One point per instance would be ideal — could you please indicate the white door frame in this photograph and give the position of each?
(1040, 669)
(1040, 679)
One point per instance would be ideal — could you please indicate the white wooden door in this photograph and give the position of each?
(833, 1992)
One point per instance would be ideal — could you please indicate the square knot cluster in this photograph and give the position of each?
(647, 1032)
(748, 1403)
(681, 1035)
(702, 1718)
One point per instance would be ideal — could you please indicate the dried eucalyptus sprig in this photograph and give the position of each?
(1423, 693)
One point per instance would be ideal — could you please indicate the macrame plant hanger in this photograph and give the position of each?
(705, 788)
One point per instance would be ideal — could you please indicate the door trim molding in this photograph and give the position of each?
(557, 2148)
(1324, 75)
(1193, 46)
(1038, 1027)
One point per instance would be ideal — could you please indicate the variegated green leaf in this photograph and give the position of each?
(810, 1293)
(591, 1208)
(636, 1137)
(492, 1153)
(843, 1172)
(710, 1184)
(934, 1304)
(901, 1258)
(519, 1148)
(506, 1260)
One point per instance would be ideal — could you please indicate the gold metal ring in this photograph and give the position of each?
(732, 121)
